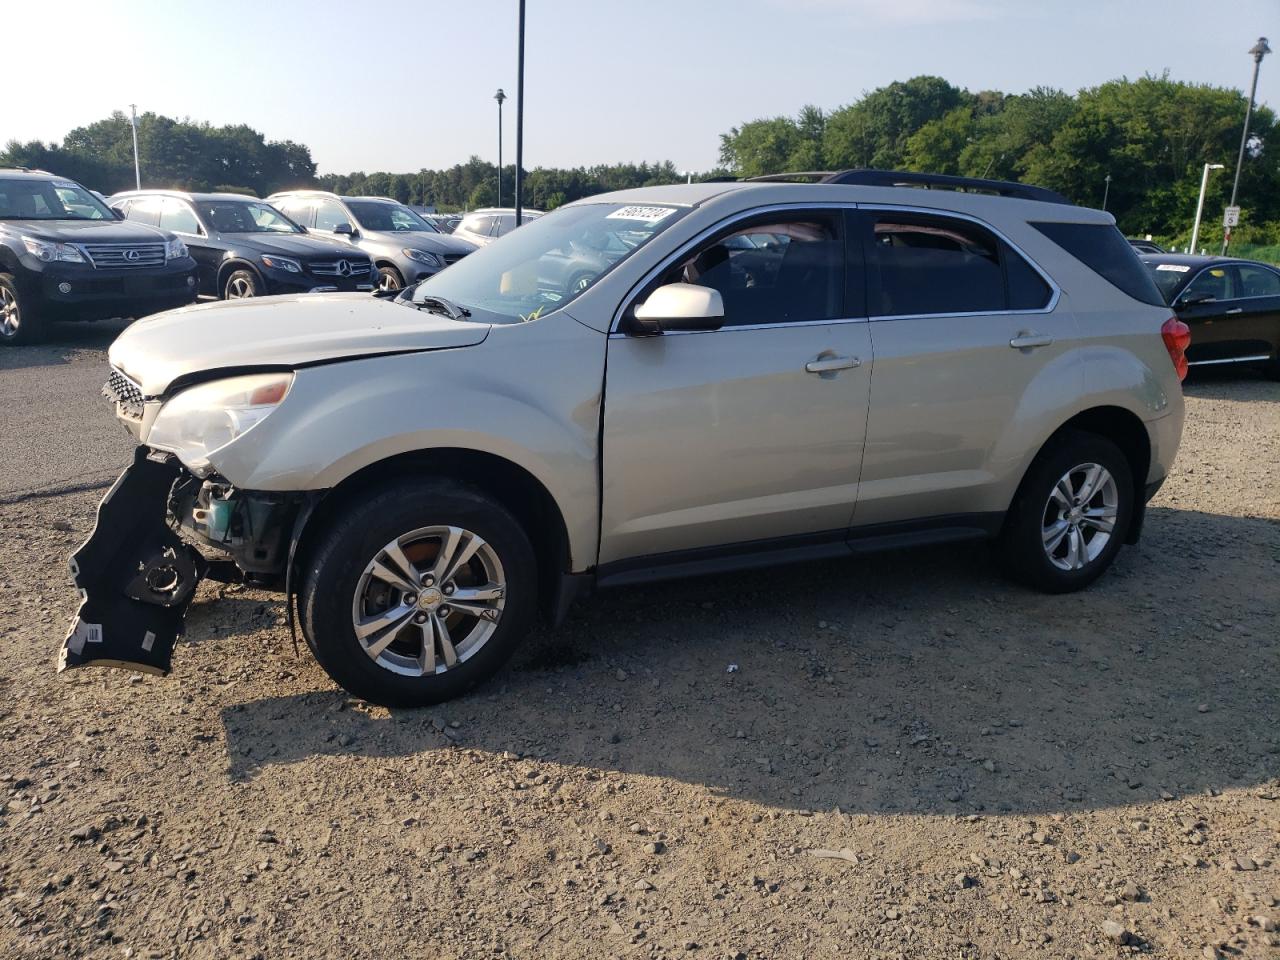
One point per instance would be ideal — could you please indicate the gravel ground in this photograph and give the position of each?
(908, 758)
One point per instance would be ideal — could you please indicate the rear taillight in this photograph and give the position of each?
(1177, 337)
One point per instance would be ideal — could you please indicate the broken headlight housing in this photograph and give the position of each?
(202, 419)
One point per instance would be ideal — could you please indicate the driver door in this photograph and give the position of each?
(750, 435)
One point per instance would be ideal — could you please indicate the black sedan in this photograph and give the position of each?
(245, 247)
(1231, 306)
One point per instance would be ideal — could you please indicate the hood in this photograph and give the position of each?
(290, 244)
(88, 231)
(279, 332)
(415, 240)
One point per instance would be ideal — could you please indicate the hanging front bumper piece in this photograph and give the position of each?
(136, 576)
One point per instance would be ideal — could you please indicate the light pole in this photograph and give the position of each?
(1257, 51)
(520, 116)
(499, 96)
(1106, 192)
(133, 123)
(1204, 182)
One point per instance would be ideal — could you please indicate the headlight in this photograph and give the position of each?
(175, 249)
(48, 251)
(430, 259)
(282, 263)
(202, 419)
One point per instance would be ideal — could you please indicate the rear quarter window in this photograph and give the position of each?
(1104, 250)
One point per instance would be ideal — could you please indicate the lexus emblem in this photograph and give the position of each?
(133, 255)
(343, 268)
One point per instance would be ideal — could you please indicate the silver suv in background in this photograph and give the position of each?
(487, 224)
(796, 371)
(404, 247)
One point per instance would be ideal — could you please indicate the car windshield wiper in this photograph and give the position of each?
(442, 306)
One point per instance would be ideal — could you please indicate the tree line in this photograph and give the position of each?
(1149, 136)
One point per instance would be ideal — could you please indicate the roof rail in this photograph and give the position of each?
(803, 176)
(939, 181)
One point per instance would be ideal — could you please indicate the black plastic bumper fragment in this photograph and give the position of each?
(135, 575)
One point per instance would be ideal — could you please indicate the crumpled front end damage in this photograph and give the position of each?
(135, 575)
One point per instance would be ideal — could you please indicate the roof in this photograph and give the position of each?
(184, 195)
(330, 193)
(1184, 259)
(22, 173)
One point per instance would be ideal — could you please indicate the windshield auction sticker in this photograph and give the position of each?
(644, 214)
(1175, 267)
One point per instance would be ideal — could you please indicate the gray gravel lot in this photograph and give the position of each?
(914, 759)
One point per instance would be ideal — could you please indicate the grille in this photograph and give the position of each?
(125, 394)
(329, 268)
(453, 258)
(125, 254)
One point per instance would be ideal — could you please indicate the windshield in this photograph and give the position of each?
(548, 262)
(1168, 277)
(388, 217)
(242, 216)
(49, 200)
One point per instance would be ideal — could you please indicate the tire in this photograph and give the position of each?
(577, 284)
(19, 323)
(241, 285)
(339, 587)
(389, 279)
(1042, 511)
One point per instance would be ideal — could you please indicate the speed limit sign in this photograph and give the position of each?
(1231, 217)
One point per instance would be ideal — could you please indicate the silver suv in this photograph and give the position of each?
(755, 372)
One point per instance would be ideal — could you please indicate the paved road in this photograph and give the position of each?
(57, 432)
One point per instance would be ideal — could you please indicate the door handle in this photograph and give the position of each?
(1026, 340)
(831, 364)
(1235, 310)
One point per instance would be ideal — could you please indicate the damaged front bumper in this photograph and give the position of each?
(137, 576)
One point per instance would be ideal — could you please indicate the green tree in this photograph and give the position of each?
(873, 131)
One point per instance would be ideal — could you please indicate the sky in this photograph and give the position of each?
(399, 85)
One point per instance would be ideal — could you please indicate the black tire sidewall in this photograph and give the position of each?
(333, 569)
(253, 281)
(30, 328)
(1022, 545)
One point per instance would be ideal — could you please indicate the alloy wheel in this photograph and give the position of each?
(388, 282)
(429, 600)
(9, 317)
(239, 288)
(1080, 516)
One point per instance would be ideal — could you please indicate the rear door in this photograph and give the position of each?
(753, 433)
(961, 324)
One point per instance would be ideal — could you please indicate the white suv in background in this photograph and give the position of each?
(756, 372)
(487, 224)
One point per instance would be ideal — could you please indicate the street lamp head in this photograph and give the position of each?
(499, 96)
(1215, 166)
(1259, 49)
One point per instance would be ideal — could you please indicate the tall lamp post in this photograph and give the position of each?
(499, 96)
(133, 123)
(1204, 182)
(1106, 191)
(520, 116)
(1257, 51)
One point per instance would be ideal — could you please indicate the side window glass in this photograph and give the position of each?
(1212, 284)
(329, 214)
(296, 210)
(933, 265)
(177, 216)
(478, 225)
(1027, 289)
(1256, 282)
(145, 210)
(783, 271)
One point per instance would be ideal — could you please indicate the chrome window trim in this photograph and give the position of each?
(1054, 297)
(1055, 291)
(684, 248)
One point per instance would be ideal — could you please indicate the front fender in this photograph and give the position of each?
(529, 394)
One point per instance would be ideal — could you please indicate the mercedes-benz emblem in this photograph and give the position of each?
(343, 268)
(133, 255)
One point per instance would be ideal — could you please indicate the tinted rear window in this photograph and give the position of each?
(1105, 251)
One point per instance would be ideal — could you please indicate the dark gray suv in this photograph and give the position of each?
(405, 248)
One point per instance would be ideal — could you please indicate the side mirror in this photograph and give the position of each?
(345, 229)
(119, 214)
(302, 229)
(679, 306)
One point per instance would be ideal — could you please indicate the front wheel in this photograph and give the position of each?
(241, 285)
(1071, 514)
(18, 322)
(389, 279)
(417, 593)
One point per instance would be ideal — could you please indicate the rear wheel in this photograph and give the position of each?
(241, 285)
(18, 324)
(389, 279)
(1070, 515)
(419, 592)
